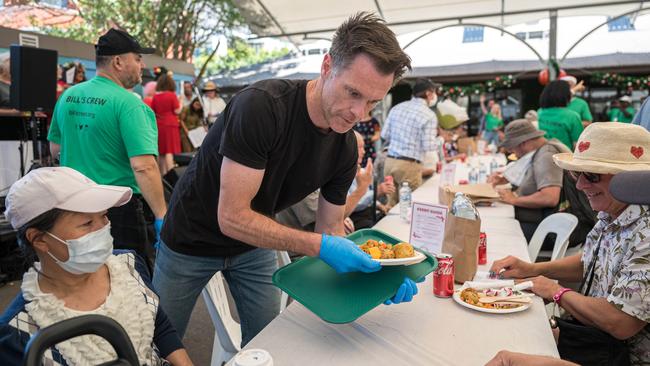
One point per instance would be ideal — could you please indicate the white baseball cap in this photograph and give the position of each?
(570, 79)
(44, 189)
(625, 98)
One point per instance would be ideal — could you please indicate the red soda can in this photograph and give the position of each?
(439, 167)
(443, 276)
(388, 179)
(482, 248)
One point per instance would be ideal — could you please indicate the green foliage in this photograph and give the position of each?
(619, 81)
(174, 27)
(500, 82)
(240, 54)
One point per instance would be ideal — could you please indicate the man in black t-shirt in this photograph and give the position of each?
(276, 142)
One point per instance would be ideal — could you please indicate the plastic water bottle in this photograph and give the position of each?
(463, 207)
(493, 166)
(482, 173)
(473, 176)
(404, 201)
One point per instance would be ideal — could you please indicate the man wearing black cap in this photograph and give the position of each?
(410, 131)
(105, 132)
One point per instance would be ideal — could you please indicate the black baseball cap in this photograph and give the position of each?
(631, 187)
(117, 42)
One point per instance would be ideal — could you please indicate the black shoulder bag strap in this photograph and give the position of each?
(590, 270)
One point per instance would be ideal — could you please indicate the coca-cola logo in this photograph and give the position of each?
(445, 269)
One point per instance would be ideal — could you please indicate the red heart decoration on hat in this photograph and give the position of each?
(637, 151)
(584, 145)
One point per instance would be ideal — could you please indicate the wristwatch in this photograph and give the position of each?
(558, 295)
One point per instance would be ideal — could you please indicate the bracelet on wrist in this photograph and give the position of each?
(558, 295)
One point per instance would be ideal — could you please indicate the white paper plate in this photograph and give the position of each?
(491, 311)
(417, 258)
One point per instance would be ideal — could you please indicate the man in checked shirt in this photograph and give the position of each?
(410, 130)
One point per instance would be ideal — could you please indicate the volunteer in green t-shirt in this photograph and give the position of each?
(555, 118)
(493, 121)
(623, 112)
(105, 132)
(578, 104)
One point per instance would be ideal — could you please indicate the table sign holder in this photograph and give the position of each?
(428, 226)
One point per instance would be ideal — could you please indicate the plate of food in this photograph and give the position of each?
(495, 301)
(386, 254)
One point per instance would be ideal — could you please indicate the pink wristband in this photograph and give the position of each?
(558, 295)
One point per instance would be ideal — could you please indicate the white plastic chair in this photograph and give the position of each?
(227, 337)
(562, 224)
(227, 332)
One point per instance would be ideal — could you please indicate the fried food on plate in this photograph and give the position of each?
(381, 250)
(403, 250)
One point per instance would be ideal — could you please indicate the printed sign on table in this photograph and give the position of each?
(428, 226)
(448, 175)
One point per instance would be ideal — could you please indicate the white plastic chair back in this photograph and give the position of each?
(283, 260)
(227, 337)
(562, 224)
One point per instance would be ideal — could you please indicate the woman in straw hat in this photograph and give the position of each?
(60, 216)
(212, 103)
(614, 267)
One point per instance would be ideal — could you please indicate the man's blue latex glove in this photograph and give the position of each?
(405, 292)
(344, 256)
(157, 225)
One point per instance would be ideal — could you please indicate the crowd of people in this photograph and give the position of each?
(176, 114)
(295, 165)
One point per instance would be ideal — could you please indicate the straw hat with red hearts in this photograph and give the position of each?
(608, 148)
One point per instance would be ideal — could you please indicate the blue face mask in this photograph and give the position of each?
(87, 253)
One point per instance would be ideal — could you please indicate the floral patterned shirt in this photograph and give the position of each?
(622, 269)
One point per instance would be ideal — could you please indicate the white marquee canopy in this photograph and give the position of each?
(306, 20)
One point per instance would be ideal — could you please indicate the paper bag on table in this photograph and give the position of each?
(445, 195)
(466, 145)
(461, 241)
(482, 192)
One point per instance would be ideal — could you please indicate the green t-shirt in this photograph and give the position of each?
(616, 114)
(560, 123)
(99, 126)
(492, 123)
(581, 107)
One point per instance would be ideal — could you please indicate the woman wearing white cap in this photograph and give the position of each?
(60, 215)
(611, 309)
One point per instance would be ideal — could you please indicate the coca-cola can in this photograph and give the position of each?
(482, 248)
(443, 276)
(439, 167)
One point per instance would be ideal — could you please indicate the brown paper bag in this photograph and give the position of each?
(461, 241)
(465, 144)
(445, 195)
(478, 193)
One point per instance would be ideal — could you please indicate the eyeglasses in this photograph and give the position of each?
(590, 177)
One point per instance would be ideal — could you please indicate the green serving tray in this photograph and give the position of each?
(342, 298)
